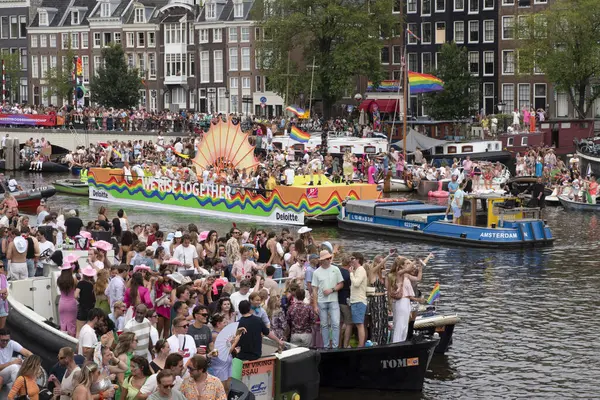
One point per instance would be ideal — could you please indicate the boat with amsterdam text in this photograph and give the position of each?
(490, 221)
(226, 144)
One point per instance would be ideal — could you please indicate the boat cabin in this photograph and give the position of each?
(493, 211)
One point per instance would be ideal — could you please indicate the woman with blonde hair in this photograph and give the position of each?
(401, 292)
(377, 305)
(124, 352)
(100, 289)
(90, 374)
(25, 384)
(279, 324)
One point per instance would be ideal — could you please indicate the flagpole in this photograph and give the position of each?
(312, 78)
(405, 90)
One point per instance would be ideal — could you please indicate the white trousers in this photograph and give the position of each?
(401, 318)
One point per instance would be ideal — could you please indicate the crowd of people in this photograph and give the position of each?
(147, 305)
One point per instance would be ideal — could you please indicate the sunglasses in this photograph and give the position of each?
(182, 326)
(168, 386)
(236, 233)
(204, 315)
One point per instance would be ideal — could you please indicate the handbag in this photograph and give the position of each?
(163, 300)
(26, 395)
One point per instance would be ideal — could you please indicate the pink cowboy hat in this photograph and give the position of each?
(203, 236)
(89, 271)
(173, 261)
(86, 235)
(71, 259)
(65, 266)
(141, 267)
(103, 245)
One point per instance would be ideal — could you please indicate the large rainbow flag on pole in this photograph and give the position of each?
(435, 293)
(424, 83)
(299, 135)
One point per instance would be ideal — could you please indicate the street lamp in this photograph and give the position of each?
(227, 97)
(358, 97)
(501, 105)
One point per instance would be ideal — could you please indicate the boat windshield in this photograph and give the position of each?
(492, 212)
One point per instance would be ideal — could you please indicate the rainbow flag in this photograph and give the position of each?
(384, 86)
(435, 293)
(181, 155)
(299, 135)
(298, 112)
(424, 83)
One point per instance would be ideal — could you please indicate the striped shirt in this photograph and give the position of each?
(142, 334)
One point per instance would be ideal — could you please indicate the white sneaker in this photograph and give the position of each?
(445, 218)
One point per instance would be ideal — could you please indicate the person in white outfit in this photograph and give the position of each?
(9, 366)
(401, 291)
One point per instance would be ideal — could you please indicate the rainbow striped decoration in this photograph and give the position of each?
(435, 293)
(384, 86)
(424, 83)
(299, 135)
(298, 112)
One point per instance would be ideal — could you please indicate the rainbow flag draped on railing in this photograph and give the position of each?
(424, 83)
(299, 135)
(384, 86)
(298, 112)
(435, 293)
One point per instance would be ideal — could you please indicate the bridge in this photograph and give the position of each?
(65, 140)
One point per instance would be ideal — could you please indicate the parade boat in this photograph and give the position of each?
(489, 221)
(573, 205)
(28, 198)
(72, 186)
(225, 144)
(32, 166)
(336, 145)
(390, 367)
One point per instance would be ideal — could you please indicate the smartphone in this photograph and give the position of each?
(393, 251)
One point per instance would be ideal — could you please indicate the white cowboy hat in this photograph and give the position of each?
(304, 229)
(20, 244)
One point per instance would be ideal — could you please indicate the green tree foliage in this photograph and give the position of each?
(564, 43)
(343, 37)
(12, 66)
(116, 85)
(456, 101)
(60, 80)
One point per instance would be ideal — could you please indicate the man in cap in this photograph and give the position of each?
(327, 280)
(73, 223)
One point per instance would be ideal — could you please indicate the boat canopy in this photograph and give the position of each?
(415, 139)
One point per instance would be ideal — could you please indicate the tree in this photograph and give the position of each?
(564, 42)
(13, 71)
(115, 84)
(343, 37)
(60, 80)
(456, 101)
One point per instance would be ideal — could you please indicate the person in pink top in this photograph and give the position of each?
(371, 172)
(137, 293)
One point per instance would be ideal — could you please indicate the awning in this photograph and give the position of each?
(384, 105)
(415, 139)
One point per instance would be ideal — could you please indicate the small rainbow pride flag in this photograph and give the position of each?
(384, 86)
(297, 111)
(424, 83)
(435, 293)
(299, 135)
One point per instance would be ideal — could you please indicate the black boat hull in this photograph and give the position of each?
(492, 156)
(397, 366)
(47, 166)
(445, 333)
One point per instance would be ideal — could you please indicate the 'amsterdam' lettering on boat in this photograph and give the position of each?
(400, 363)
(166, 185)
(498, 235)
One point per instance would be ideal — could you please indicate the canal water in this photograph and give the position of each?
(528, 318)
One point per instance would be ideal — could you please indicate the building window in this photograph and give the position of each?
(413, 62)
(233, 83)
(488, 31)
(473, 6)
(245, 83)
(459, 5)
(211, 11)
(459, 31)
(508, 27)
(75, 40)
(238, 9)
(105, 10)
(203, 38)
(473, 31)
(151, 39)
(97, 64)
(245, 34)
(34, 41)
(488, 4)
(411, 6)
(141, 39)
(85, 64)
(385, 55)
(508, 96)
(64, 40)
(107, 38)
(44, 66)
(204, 67)
(508, 2)
(396, 54)
(142, 64)
(524, 3)
(75, 17)
(440, 32)
(474, 62)
(97, 40)
(426, 63)
(258, 86)
(397, 7)
(222, 100)
(488, 63)
(524, 95)
(438, 57)
(508, 62)
(22, 26)
(440, 5)
(218, 65)
(175, 65)
(152, 65)
(35, 68)
(217, 35)
(43, 20)
(117, 38)
(539, 96)
(425, 7)
(14, 27)
(85, 40)
(130, 39)
(233, 35)
(233, 59)
(413, 27)
(140, 16)
(245, 59)
(43, 41)
(24, 59)
(426, 33)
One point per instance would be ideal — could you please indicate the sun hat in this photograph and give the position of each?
(86, 235)
(178, 234)
(170, 236)
(65, 266)
(102, 245)
(327, 246)
(70, 259)
(304, 229)
(179, 278)
(141, 267)
(173, 261)
(324, 255)
(203, 235)
(20, 244)
(89, 271)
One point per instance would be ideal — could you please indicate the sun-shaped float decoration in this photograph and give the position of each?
(225, 145)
